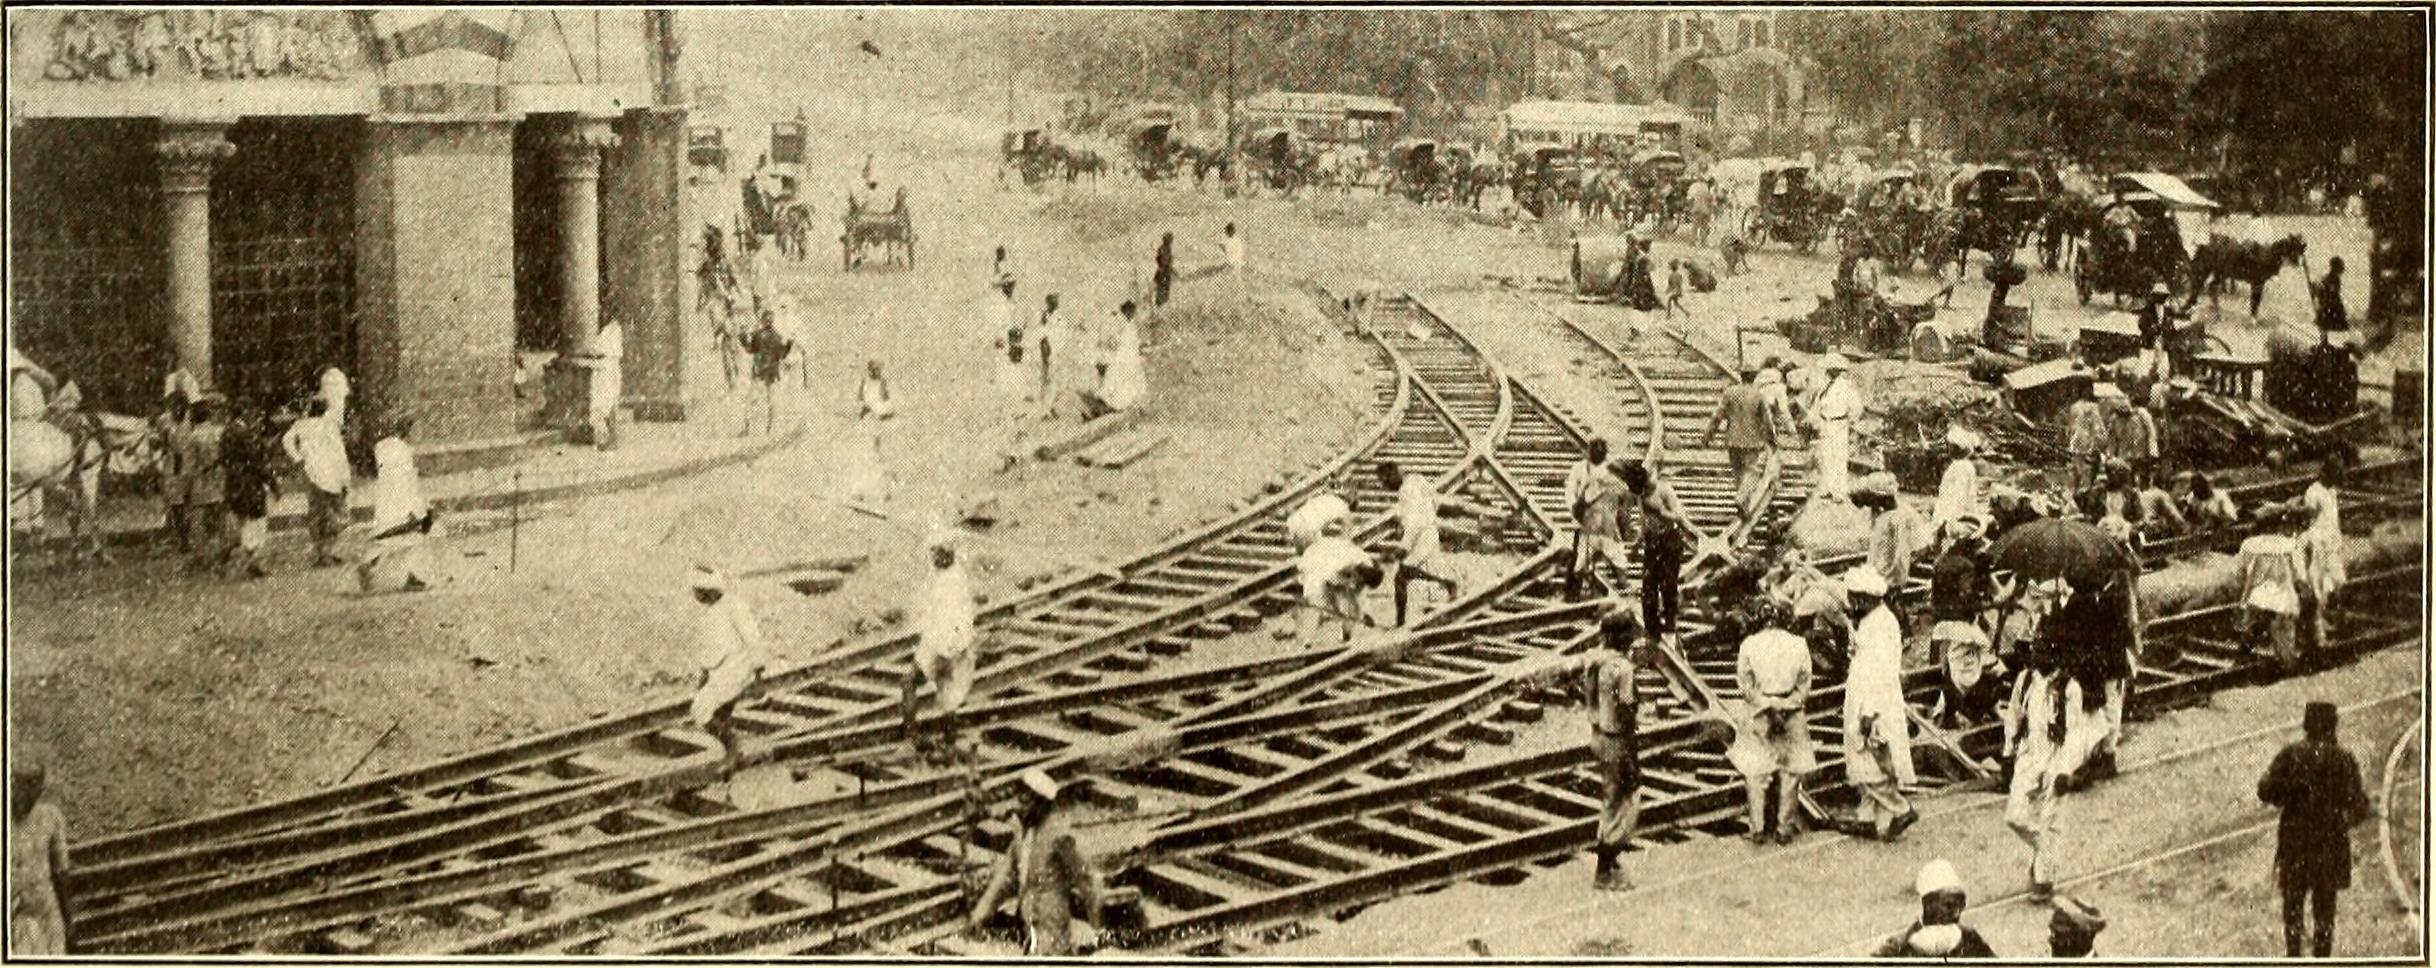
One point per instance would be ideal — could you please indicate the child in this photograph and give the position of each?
(1674, 290)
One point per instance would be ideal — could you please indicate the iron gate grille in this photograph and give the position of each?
(85, 266)
(283, 257)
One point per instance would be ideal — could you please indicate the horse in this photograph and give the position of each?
(2223, 260)
(1082, 162)
(58, 459)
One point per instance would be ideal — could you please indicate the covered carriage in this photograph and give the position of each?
(2000, 205)
(1886, 218)
(1544, 173)
(2138, 242)
(706, 147)
(1421, 169)
(1153, 144)
(868, 227)
(1785, 209)
(1278, 158)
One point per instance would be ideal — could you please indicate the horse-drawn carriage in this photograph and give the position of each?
(706, 147)
(1153, 144)
(2137, 242)
(1994, 208)
(774, 207)
(1420, 169)
(1547, 176)
(1657, 180)
(869, 227)
(1029, 153)
(1885, 219)
(1275, 156)
(1786, 209)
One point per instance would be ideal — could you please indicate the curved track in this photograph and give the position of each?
(1255, 792)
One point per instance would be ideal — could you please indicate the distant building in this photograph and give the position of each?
(1722, 67)
(411, 195)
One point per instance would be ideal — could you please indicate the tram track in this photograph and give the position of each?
(1336, 737)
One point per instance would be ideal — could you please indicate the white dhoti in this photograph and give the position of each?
(949, 672)
(1833, 456)
(721, 688)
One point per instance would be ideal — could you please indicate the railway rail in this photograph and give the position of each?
(1261, 792)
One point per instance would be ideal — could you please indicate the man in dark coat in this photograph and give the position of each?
(2331, 316)
(2316, 783)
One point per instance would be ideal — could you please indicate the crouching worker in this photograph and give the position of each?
(1334, 572)
(1043, 871)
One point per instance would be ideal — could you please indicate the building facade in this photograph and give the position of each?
(413, 196)
(1724, 67)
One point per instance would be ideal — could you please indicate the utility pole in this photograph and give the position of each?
(1234, 143)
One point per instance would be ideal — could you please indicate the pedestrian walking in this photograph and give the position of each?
(401, 520)
(2042, 724)
(1043, 871)
(868, 482)
(2322, 546)
(1052, 345)
(947, 655)
(199, 459)
(1665, 532)
(2131, 434)
(768, 349)
(314, 444)
(1831, 417)
(1231, 245)
(1163, 269)
(250, 485)
(1940, 932)
(1119, 382)
(40, 908)
(1750, 428)
(1596, 496)
(1614, 708)
(608, 384)
(1877, 720)
(1772, 742)
(1674, 291)
(730, 656)
(2316, 783)
(2072, 932)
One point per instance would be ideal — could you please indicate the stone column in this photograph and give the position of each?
(189, 151)
(575, 162)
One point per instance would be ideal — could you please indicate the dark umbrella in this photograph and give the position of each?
(2073, 550)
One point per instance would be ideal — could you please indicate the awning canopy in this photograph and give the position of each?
(1581, 118)
(2166, 188)
(1304, 104)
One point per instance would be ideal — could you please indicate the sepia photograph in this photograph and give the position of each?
(1271, 482)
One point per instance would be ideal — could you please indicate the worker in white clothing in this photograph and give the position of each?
(1958, 489)
(1772, 741)
(1308, 522)
(1423, 558)
(730, 656)
(608, 384)
(946, 656)
(1334, 573)
(1596, 495)
(1877, 720)
(1831, 416)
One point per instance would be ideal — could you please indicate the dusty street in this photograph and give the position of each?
(161, 695)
